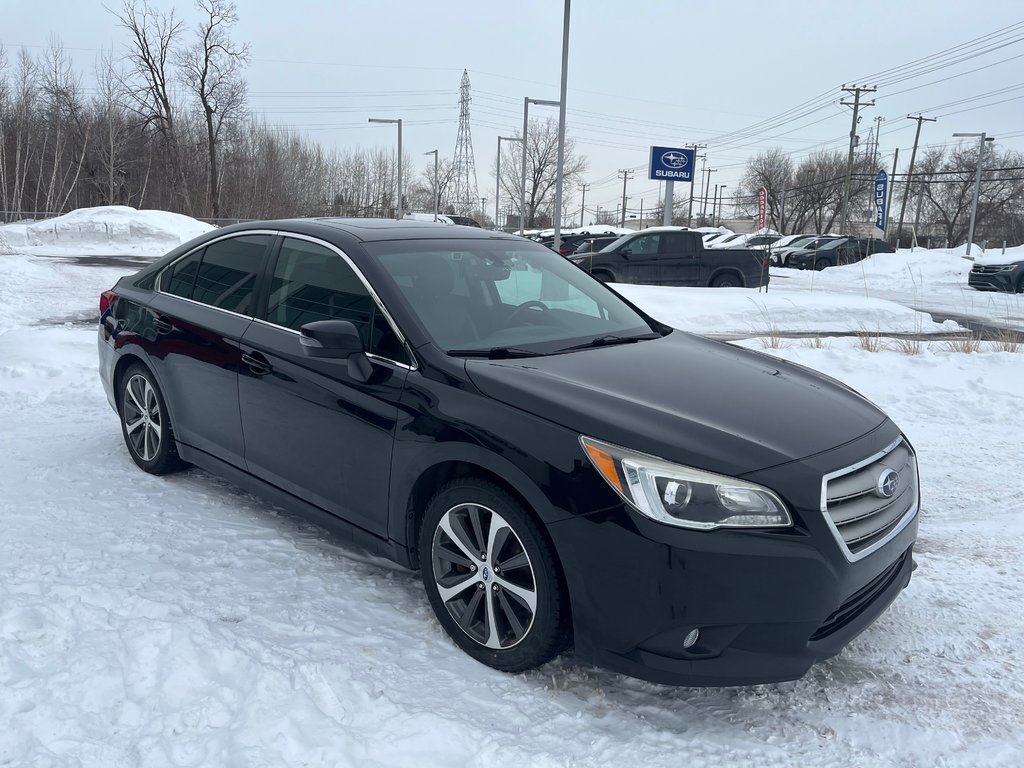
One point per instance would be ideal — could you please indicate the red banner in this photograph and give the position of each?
(762, 207)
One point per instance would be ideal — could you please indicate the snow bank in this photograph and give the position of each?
(996, 255)
(110, 229)
(745, 312)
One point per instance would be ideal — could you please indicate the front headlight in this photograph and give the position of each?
(683, 496)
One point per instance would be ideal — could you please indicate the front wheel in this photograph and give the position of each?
(821, 264)
(145, 424)
(491, 577)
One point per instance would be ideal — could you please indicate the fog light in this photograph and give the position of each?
(691, 638)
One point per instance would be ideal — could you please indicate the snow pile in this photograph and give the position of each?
(745, 312)
(108, 230)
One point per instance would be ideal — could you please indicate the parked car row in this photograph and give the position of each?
(822, 251)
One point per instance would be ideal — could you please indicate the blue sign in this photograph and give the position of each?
(881, 191)
(671, 164)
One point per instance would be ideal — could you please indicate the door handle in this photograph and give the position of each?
(258, 364)
(162, 325)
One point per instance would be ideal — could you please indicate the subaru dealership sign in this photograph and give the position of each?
(881, 190)
(671, 164)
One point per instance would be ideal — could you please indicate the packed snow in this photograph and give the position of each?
(112, 229)
(179, 621)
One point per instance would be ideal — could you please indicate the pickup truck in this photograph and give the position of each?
(674, 256)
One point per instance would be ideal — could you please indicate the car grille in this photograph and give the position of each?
(987, 269)
(857, 510)
(856, 604)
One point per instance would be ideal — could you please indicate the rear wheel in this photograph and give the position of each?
(727, 280)
(491, 577)
(145, 424)
(821, 264)
(603, 276)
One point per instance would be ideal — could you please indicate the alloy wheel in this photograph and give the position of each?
(484, 576)
(143, 420)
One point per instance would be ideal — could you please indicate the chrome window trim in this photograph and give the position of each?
(370, 355)
(158, 285)
(158, 288)
(907, 518)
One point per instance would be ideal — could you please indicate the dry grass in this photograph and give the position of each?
(907, 345)
(1009, 341)
(964, 344)
(818, 342)
(870, 341)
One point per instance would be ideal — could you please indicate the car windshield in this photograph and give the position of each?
(504, 297)
(797, 242)
(833, 244)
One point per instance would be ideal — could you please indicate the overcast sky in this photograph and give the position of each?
(664, 72)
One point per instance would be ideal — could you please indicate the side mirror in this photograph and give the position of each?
(336, 340)
(625, 252)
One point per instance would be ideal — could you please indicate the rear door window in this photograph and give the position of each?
(227, 273)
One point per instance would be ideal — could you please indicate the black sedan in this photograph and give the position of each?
(563, 469)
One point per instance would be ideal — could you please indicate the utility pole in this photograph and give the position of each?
(856, 90)
(626, 175)
(583, 202)
(704, 189)
(694, 147)
(714, 206)
(878, 129)
(892, 187)
(910, 171)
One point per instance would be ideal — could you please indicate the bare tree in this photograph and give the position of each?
(154, 36)
(772, 170)
(212, 70)
(541, 161)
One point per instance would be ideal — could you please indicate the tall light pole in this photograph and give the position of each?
(497, 189)
(583, 202)
(561, 128)
(436, 187)
(718, 219)
(982, 138)
(705, 188)
(527, 101)
(397, 122)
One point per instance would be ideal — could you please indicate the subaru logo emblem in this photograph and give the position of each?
(673, 159)
(888, 482)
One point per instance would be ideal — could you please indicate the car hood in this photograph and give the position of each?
(687, 399)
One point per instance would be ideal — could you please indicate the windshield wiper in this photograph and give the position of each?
(606, 341)
(494, 353)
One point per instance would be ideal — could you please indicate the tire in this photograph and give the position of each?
(604, 277)
(821, 264)
(145, 425)
(727, 280)
(507, 607)
(1020, 285)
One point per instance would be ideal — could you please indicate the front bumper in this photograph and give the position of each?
(768, 604)
(987, 279)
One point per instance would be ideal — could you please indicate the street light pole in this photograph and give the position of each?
(561, 128)
(718, 219)
(527, 101)
(982, 138)
(397, 122)
(497, 189)
(436, 187)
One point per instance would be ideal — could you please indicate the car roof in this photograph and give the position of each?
(368, 230)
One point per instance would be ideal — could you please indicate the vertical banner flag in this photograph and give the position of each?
(881, 191)
(762, 207)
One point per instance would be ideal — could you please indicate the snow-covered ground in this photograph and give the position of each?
(178, 621)
(931, 280)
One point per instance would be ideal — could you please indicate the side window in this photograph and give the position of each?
(312, 283)
(180, 278)
(677, 243)
(227, 274)
(647, 245)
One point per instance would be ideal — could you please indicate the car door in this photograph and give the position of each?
(203, 306)
(680, 259)
(313, 426)
(643, 262)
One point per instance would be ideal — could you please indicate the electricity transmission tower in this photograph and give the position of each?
(464, 195)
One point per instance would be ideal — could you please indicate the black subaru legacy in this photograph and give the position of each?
(564, 470)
